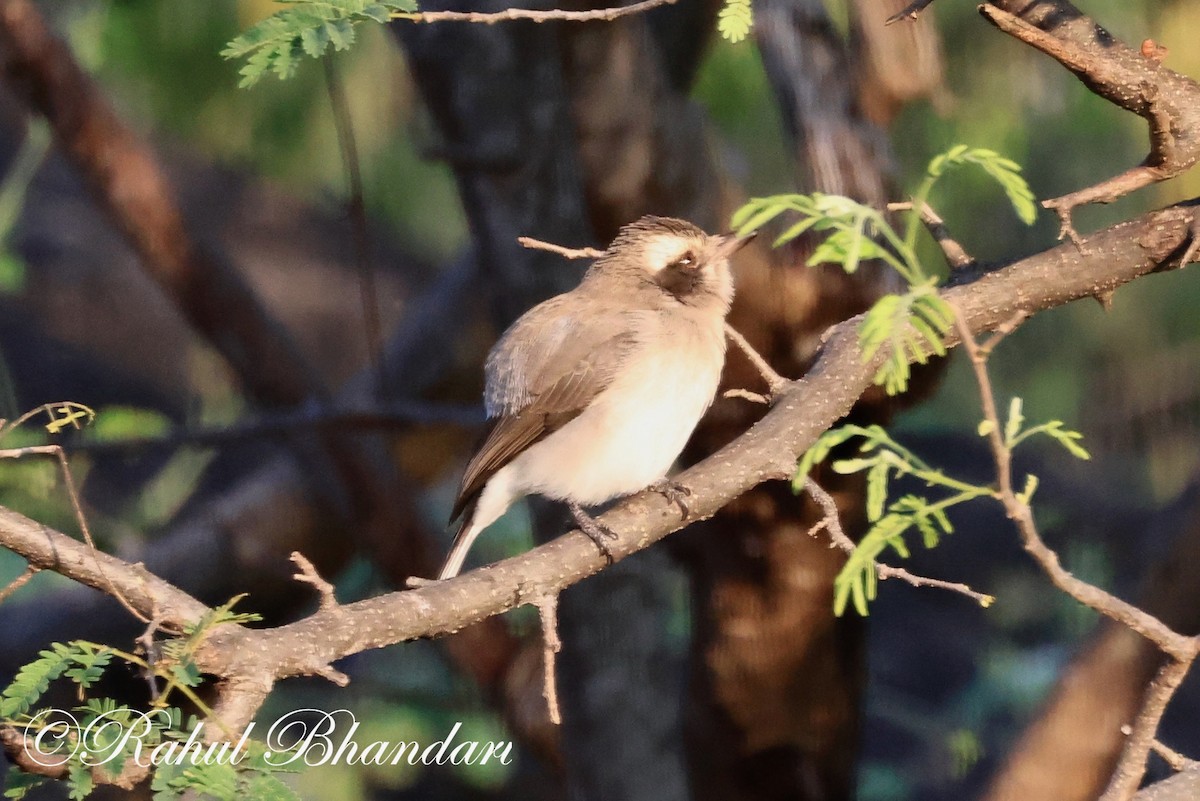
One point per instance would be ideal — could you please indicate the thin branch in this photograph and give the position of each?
(309, 575)
(909, 12)
(837, 536)
(1174, 644)
(1132, 765)
(775, 382)
(19, 582)
(1131, 79)
(534, 15)
(956, 255)
(565, 252)
(547, 607)
(1176, 760)
(77, 507)
(250, 661)
(1181, 649)
(1003, 330)
(745, 394)
(356, 208)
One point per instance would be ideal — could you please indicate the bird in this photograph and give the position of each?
(593, 394)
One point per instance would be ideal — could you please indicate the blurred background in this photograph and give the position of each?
(709, 667)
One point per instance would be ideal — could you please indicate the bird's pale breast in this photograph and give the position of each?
(635, 429)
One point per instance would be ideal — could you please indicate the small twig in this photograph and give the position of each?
(19, 582)
(909, 12)
(151, 650)
(1172, 643)
(1181, 650)
(956, 255)
(565, 252)
(309, 575)
(77, 506)
(1193, 248)
(511, 14)
(1132, 765)
(547, 606)
(356, 207)
(837, 536)
(775, 382)
(332, 674)
(1176, 760)
(745, 394)
(1003, 330)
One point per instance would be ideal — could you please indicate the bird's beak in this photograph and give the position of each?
(731, 243)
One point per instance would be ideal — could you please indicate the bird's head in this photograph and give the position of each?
(673, 260)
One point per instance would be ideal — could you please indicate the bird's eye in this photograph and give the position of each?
(686, 260)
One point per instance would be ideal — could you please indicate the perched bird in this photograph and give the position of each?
(593, 394)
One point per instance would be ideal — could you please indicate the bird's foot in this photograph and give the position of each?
(597, 531)
(674, 492)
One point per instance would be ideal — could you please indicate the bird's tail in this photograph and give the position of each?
(463, 541)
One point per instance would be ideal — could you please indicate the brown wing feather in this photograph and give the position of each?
(558, 404)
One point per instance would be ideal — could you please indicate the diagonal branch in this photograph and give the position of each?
(1128, 78)
(250, 661)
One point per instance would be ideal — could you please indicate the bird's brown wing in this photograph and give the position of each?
(564, 361)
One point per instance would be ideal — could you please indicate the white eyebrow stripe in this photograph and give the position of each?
(663, 250)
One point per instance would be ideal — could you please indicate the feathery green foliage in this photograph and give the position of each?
(882, 459)
(281, 41)
(735, 20)
(909, 326)
(98, 725)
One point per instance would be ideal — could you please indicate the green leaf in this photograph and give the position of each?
(33, 680)
(877, 486)
(985, 428)
(186, 673)
(1005, 172)
(1068, 439)
(217, 779)
(17, 782)
(907, 324)
(278, 43)
(126, 422)
(12, 273)
(1012, 427)
(79, 780)
(1031, 485)
(757, 213)
(735, 20)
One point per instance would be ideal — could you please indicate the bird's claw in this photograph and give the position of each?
(674, 492)
(596, 531)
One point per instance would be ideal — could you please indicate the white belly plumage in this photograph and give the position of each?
(628, 437)
(625, 440)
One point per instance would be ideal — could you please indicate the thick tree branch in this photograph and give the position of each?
(250, 661)
(1126, 77)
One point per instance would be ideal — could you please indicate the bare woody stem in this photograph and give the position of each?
(1180, 649)
(831, 522)
(533, 15)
